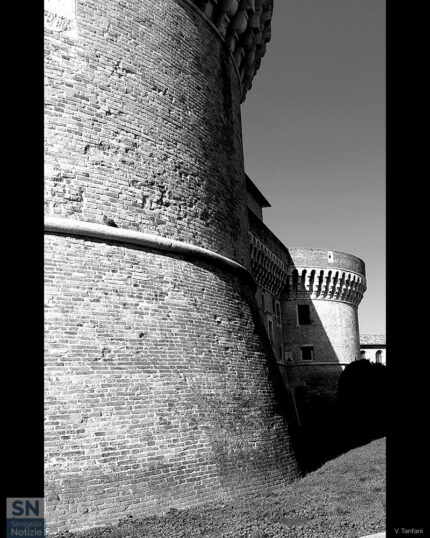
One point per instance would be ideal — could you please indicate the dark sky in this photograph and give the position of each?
(314, 134)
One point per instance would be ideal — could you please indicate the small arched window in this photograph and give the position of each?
(378, 356)
(363, 354)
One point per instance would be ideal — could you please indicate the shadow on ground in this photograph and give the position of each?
(356, 416)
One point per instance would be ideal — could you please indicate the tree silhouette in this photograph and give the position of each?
(362, 392)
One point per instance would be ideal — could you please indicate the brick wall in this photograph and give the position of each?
(143, 124)
(161, 386)
(333, 330)
(317, 257)
(158, 393)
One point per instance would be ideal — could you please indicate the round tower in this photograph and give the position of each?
(161, 384)
(320, 315)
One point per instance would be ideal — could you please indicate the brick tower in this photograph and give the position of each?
(320, 314)
(160, 381)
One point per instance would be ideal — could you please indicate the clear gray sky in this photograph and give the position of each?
(314, 134)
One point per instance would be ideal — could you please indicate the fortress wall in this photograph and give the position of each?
(267, 237)
(157, 392)
(269, 258)
(143, 124)
(161, 388)
(331, 284)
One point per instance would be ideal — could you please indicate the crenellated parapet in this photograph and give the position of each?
(343, 280)
(245, 25)
(325, 284)
(325, 275)
(269, 271)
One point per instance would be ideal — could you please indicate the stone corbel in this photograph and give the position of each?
(222, 22)
(240, 21)
(258, 38)
(231, 40)
(266, 16)
(307, 283)
(207, 6)
(229, 7)
(255, 20)
(250, 57)
(238, 55)
(267, 34)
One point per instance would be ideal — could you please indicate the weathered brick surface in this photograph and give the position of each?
(157, 389)
(160, 382)
(143, 124)
(317, 257)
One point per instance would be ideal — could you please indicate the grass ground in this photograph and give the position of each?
(345, 498)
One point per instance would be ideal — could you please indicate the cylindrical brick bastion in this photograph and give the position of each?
(320, 316)
(161, 385)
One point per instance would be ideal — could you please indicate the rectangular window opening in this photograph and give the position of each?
(303, 314)
(307, 353)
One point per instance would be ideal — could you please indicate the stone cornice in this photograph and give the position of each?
(62, 226)
(245, 27)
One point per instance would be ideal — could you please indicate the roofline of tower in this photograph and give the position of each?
(255, 191)
(250, 21)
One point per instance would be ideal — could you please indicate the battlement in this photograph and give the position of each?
(331, 285)
(245, 25)
(302, 273)
(326, 275)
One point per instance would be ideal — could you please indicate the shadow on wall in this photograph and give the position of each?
(313, 376)
(308, 301)
(320, 338)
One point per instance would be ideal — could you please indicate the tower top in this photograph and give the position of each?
(245, 26)
(326, 275)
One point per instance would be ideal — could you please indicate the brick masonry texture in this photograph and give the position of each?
(161, 389)
(316, 257)
(333, 330)
(158, 393)
(143, 124)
